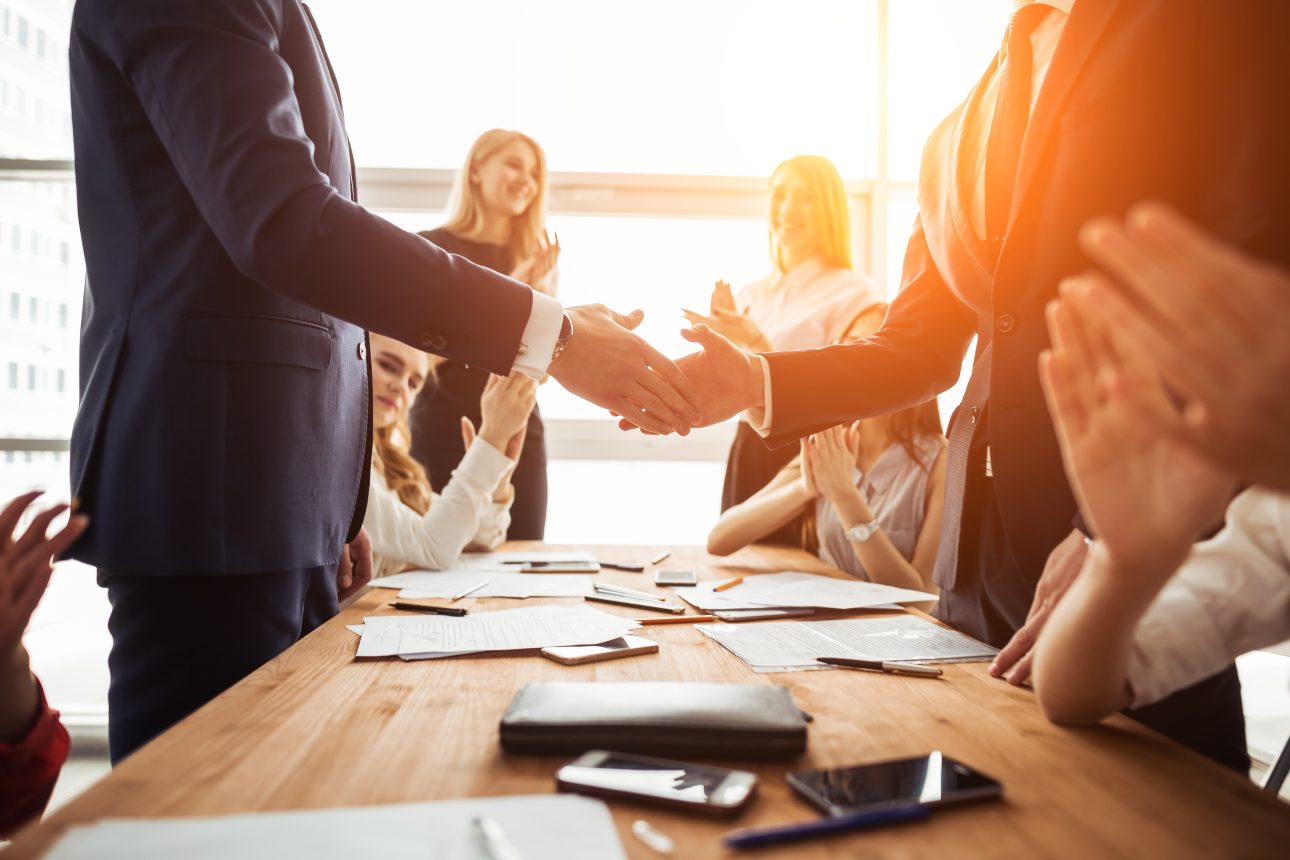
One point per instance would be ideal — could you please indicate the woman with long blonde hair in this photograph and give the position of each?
(408, 523)
(811, 293)
(496, 218)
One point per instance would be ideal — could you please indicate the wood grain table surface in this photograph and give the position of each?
(314, 728)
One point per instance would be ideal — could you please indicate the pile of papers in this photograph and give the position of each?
(502, 572)
(446, 583)
(795, 589)
(433, 636)
(783, 646)
(543, 827)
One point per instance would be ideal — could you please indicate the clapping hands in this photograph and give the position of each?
(726, 320)
(538, 271)
(27, 563)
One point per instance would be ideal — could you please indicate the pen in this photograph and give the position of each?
(680, 619)
(495, 841)
(881, 666)
(662, 555)
(421, 607)
(729, 583)
(616, 565)
(650, 836)
(751, 838)
(619, 589)
(460, 594)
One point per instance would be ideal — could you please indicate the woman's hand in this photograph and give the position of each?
(831, 458)
(722, 298)
(538, 271)
(504, 492)
(26, 564)
(1146, 495)
(734, 326)
(505, 407)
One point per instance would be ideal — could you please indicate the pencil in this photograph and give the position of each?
(662, 555)
(730, 583)
(460, 594)
(680, 619)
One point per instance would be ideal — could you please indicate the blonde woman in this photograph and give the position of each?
(409, 524)
(497, 218)
(867, 497)
(808, 298)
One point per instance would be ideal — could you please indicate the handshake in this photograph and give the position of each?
(609, 365)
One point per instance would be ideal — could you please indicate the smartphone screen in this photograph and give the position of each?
(930, 779)
(660, 779)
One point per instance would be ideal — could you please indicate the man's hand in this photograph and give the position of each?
(1063, 565)
(355, 568)
(728, 380)
(1214, 321)
(609, 366)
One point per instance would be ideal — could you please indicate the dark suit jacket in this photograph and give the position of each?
(1177, 100)
(224, 417)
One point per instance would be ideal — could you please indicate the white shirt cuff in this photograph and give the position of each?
(759, 419)
(540, 334)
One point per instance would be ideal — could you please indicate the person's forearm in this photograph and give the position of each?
(1082, 657)
(754, 519)
(19, 697)
(881, 561)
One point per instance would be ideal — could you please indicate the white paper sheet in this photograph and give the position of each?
(508, 630)
(794, 589)
(776, 646)
(542, 827)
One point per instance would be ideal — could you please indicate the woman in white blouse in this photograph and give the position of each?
(809, 296)
(410, 526)
(866, 498)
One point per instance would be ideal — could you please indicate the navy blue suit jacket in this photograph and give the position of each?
(224, 421)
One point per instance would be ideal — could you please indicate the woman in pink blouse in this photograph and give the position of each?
(809, 296)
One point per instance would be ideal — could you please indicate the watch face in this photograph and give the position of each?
(861, 532)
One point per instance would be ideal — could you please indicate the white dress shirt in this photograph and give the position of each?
(1232, 595)
(465, 514)
(1043, 41)
(539, 337)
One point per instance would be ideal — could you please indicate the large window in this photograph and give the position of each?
(661, 122)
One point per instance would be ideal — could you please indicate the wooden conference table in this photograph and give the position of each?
(314, 729)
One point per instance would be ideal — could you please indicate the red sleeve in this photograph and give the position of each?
(29, 769)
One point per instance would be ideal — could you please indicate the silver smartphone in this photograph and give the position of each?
(675, 577)
(681, 785)
(576, 655)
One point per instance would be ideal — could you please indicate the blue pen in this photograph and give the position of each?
(754, 838)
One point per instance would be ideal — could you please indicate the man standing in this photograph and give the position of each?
(1089, 107)
(223, 441)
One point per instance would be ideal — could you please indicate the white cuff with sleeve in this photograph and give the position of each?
(759, 419)
(540, 334)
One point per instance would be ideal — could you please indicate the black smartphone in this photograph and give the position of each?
(681, 785)
(932, 780)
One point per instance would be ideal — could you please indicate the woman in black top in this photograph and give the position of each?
(497, 218)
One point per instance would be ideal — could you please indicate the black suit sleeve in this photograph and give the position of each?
(916, 355)
(220, 98)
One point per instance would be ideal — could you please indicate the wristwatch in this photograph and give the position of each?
(562, 340)
(861, 532)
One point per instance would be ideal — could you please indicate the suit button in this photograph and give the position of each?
(362, 351)
(433, 342)
(1005, 323)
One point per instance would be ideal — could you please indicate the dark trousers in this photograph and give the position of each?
(179, 641)
(992, 596)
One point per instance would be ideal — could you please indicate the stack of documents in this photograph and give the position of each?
(781, 646)
(446, 583)
(432, 636)
(542, 827)
(795, 589)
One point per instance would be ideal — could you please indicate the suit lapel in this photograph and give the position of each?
(1088, 21)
